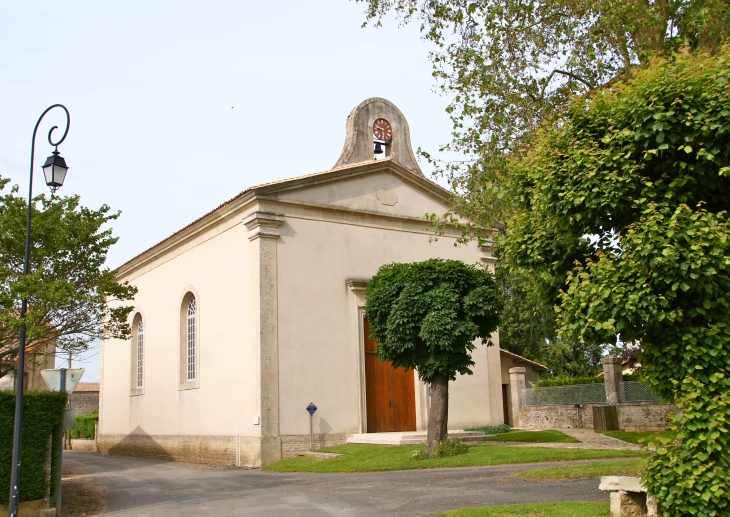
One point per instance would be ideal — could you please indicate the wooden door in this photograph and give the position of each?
(389, 392)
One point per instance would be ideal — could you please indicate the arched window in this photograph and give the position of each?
(140, 353)
(192, 341)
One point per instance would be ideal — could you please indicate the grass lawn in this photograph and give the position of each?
(634, 436)
(588, 470)
(534, 436)
(372, 458)
(570, 509)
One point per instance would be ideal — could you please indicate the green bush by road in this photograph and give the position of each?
(84, 426)
(42, 416)
(370, 458)
(569, 509)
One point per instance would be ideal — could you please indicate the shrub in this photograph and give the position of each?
(491, 429)
(42, 417)
(447, 447)
(568, 381)
(84, 426)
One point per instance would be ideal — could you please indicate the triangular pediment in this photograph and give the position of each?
(380, 186)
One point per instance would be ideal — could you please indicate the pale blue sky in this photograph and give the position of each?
(176, 106)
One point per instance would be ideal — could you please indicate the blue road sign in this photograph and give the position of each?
(311, 408)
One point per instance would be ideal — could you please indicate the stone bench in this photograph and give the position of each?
(629, 498)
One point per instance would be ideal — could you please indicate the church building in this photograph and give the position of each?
(252, 312)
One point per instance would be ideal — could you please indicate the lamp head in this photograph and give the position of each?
(55, 170)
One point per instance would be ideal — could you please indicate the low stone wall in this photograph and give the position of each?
(208, 450)
(635, 416)
(84, 402)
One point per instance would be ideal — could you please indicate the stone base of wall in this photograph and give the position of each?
(631, 416)
(292, 445)
(208, 450)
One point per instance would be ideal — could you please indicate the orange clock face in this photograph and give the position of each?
(382, 130)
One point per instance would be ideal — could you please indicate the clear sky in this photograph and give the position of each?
(177, 106)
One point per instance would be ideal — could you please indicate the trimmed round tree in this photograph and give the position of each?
(426, 316)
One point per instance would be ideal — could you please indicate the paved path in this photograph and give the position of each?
(136, 487)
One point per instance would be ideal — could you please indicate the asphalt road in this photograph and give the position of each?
(135, 487)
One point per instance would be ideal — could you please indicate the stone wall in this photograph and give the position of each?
(84, 402)
(294, 444)
(631, 416)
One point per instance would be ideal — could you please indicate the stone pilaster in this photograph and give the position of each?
(263, 235)
(517, 383)
(612, 378)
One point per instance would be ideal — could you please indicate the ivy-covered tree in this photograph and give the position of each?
(644, 168)
(69, 290)
(426, 316)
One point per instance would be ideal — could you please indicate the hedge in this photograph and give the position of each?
(84, 426)
(568, 381)
(42, 418)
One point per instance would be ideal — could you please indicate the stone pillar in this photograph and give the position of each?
(517, 383)
(264, 234)
(612, 378)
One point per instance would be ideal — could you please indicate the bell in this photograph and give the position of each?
(378, 148)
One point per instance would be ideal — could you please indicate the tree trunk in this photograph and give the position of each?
(438, 417)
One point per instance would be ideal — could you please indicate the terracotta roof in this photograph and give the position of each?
(87, 386)
(523, 359)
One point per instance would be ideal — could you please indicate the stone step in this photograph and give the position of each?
(410, 438)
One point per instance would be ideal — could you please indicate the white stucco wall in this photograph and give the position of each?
(218, 270)
(319, 353)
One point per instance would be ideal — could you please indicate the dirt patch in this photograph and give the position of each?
(81, 496)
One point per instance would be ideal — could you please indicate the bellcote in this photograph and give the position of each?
(374, 125)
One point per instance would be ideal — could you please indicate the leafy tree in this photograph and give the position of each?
(508, 65)
(69, 290)
(426, 316)
(643, 167)
(528, 327)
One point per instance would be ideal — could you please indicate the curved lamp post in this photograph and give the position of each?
(55, 172)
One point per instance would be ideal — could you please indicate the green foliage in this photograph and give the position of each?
(84, 426)
(69, 291)
(508, 65)
(491, 429)
(377, 458)
(585, 471)
(426, 315)
(565, 509)
(549, 436)
(643, 168)
(446, 448)
(42, 416)
(564, 380)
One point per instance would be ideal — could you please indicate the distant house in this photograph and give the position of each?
(36, 359)
(85, 398)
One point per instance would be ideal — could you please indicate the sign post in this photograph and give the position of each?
(63, 379)
(311, 408)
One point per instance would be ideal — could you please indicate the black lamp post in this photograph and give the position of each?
(55, 172)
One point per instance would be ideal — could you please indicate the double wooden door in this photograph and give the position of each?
(389, 392)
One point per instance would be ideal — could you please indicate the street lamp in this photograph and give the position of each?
(55, 172)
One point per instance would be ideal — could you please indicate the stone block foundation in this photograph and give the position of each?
(208, 450)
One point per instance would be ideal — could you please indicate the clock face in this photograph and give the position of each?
(382, 130)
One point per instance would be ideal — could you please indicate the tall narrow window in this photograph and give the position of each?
(140, 353)
(192, 340)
